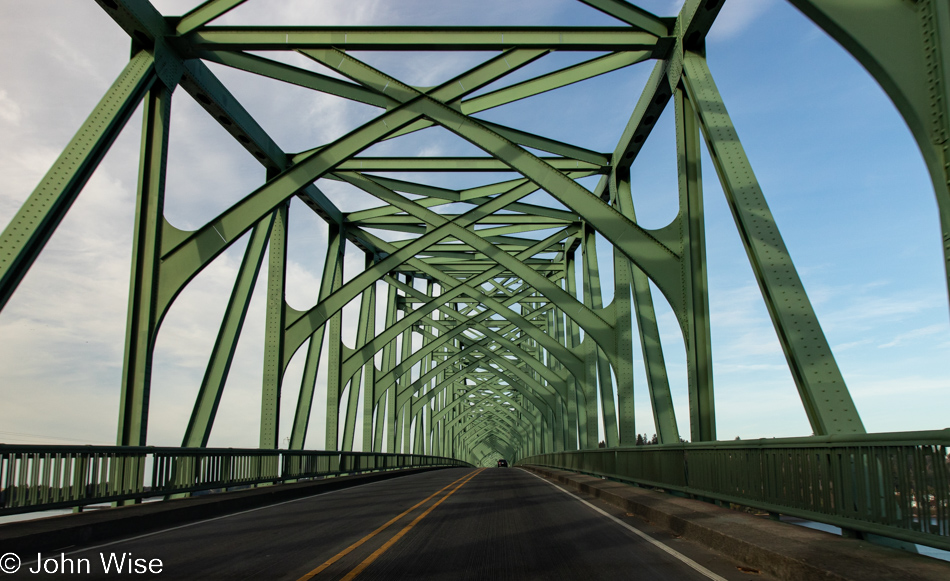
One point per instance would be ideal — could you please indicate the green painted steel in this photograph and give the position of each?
(809, 356)
(37, 478)
(419, 38)
(895, 485)
(914, 72)
(493, 338)
(24, 238)
(274, 343)
(308, 383)
(144, 311)
(205, 13)
(212, 385)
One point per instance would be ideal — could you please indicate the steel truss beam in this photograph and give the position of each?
(483, 309)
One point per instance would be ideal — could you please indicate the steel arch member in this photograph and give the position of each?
(507, 298)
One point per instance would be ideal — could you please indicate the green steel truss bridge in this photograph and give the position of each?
(487, 290)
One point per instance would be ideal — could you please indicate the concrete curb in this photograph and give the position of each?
(61, 532)
(783, 550)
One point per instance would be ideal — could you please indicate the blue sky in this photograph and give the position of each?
(842, 175)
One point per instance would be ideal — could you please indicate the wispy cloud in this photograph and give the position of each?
(739, 368)
(9, 110)
(736, 17)
(841, 347)
(61, 337)
(65, 327)
(928, 331)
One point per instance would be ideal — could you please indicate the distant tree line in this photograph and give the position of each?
(643, 440)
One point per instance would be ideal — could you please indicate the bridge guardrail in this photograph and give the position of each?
(895, 485)
(38, 477)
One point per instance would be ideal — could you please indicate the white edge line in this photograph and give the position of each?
(686, 560)
(184, 526)
(218, 233)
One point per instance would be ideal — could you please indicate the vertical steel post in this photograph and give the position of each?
(428, 363)
(389, 361)
(698, 342)
(274, 334)
(363, 328)
(623, 327)
(144, 313)
(369, 373)
(219, 364)
(585, 387)
(335, 379)
(658, 384)
(403, 423)
(593, 299)
(332, 263)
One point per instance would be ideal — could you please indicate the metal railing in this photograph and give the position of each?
(895, 485)
(35, 478)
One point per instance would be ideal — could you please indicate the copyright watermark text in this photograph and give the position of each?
(9, 563)
(108, 563)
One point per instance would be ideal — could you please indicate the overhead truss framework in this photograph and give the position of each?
(481, 351)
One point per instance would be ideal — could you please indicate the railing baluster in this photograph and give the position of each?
(888, 484)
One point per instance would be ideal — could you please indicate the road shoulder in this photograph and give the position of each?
(784, 551)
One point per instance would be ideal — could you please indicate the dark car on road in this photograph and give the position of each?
(502, 463)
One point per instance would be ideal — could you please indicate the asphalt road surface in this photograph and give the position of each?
(455, 524)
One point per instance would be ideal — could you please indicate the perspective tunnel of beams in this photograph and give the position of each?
(496, 339)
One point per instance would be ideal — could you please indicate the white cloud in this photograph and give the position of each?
(65, 326)
(736, 17)
(62, 332)
(738, 368)
(61, 337)
(850, 345)
(928, 331)
(9, 110)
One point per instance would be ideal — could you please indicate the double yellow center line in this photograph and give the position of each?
(378, 552)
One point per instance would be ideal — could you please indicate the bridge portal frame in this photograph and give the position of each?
(468, 258)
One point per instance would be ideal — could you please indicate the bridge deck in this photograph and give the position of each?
(448, 524)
